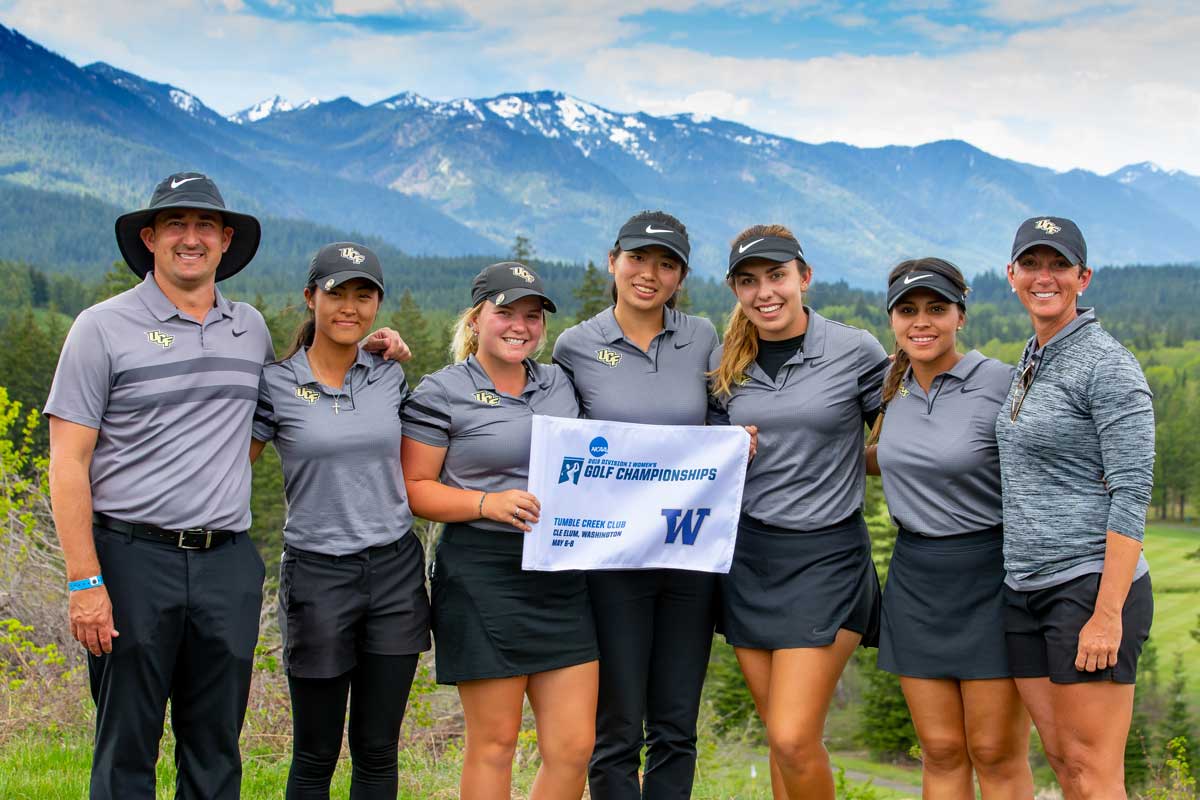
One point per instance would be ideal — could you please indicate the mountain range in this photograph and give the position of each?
(466, 176)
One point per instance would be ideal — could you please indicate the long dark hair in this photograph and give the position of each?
(901, 363)
(307, 329)
(663, 218)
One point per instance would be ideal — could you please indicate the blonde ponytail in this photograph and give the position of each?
(465, 341)
(741, 348)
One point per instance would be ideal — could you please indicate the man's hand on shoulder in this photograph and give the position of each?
(388, 344)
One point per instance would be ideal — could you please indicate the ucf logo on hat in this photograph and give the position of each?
(523, 274)
(159, 338)
(306, 394)
(609, 357)
(1047, 226)
(350, 254)
(487, 398)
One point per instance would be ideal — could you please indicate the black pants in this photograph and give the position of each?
(655, 629)
(188, 623)
(378, 687)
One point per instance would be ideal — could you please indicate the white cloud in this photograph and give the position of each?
(1096, 90)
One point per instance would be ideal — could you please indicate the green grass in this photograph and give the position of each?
(54, 766)
(1176, 581)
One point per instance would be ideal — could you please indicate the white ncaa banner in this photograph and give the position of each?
(617, 495)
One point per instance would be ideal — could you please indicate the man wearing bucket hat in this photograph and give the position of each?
(150, 415)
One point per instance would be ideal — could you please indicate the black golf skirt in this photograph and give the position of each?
(788, 589)
(943, 607)
(493, 620)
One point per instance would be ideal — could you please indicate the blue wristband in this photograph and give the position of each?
(86, 583)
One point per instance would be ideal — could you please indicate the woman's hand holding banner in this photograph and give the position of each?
(618, 495)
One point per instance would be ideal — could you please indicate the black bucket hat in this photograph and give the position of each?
(336, 263)
(507, 282)
(187, 190)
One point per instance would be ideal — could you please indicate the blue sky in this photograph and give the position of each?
(1059, 83)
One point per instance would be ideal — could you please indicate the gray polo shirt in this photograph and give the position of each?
(617, 380)
(485, 432)
(172, 399)
(1079, 460)
(809, 469)
(340, 451)
(937, 451)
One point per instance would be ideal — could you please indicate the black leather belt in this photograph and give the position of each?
(186, 539)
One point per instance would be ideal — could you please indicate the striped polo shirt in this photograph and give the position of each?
(172, 399)
(617, 380)
(340, 450)
(485, 432)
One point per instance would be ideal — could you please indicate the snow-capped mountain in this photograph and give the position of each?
(468, 175)
(265, 108)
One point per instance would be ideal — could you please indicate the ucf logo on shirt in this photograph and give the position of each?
(487, 398)
(306, 394)
(609, 357)
(159, 338)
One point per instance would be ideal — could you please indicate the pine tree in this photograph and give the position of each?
(683, 300)
(592, 292)
(1178, 722)
(522, 249)
(118, 278)
(428, 349)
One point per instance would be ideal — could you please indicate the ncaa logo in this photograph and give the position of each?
(598, 447)
(1047, 226)
(571, 469)
(352, 255)
(523, 274)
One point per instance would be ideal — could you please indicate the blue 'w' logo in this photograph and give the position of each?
(680, 521)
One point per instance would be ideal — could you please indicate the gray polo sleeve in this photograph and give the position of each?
(873, 364)
(1123, 413)
(264, 425)
(80, 389)
(563, 355)
(426, 414)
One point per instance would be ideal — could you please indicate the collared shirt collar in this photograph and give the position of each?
(302, 368)
(158, 304)
(960, 371)
(814, 338)
(153, 298)
(536, 375)
(1083, 316)
(612, 329)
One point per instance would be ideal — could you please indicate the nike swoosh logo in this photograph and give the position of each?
(238, 333)
(658, 230)
(744, 247)
(912, 278)
(680, 345)
(177, 184)
(969, 389)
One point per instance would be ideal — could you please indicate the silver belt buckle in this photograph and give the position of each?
(207, 539)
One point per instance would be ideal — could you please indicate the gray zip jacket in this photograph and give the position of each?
(1079, 459)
